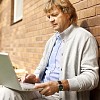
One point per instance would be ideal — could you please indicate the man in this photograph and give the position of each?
(68, 69)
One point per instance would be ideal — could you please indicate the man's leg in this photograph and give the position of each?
(8, 94)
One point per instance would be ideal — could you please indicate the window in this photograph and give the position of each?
(17, 10)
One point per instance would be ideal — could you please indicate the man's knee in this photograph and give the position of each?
(8, 94)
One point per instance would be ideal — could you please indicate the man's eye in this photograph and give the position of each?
(48, 17)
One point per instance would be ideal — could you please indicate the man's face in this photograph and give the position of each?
(59, 20)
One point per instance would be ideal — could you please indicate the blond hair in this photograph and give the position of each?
(64, 5)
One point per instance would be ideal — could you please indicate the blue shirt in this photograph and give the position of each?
(53, 69)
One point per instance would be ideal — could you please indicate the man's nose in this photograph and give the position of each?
(51, 19)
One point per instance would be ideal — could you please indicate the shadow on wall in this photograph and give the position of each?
(85, 25)
(95, 94)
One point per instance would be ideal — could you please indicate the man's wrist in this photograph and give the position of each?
(60, 86)
(63, 85)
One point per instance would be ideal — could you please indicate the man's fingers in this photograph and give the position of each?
(29, 78)
(40, 85)
(44, 91)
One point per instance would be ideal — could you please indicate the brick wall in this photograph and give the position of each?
(25, 40)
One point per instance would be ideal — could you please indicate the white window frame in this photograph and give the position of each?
(18, 10)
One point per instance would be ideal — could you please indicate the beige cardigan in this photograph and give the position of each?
(79, 63)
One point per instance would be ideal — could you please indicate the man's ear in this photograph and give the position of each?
(68, 16)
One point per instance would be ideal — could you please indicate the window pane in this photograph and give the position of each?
(18, 10)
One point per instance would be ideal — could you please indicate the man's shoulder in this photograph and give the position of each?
(82, 32)
(81, 35)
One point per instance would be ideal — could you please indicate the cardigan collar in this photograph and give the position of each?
(65, 35)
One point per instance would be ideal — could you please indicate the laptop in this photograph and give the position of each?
(8, 77)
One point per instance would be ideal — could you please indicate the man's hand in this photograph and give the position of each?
(31, 78)
(49, 88)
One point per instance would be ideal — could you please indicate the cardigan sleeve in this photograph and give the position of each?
(88, 77)
(40, 69)
(39, 72)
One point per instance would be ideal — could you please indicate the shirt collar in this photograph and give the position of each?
(66, 33)
(58, 36)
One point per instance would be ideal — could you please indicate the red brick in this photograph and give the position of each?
(89, 12)
(98, 10)
(98, 1)
(94, 21)
(95, 30)
(81, 5)
(74, 1)
(91, 2)
(98, 40)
